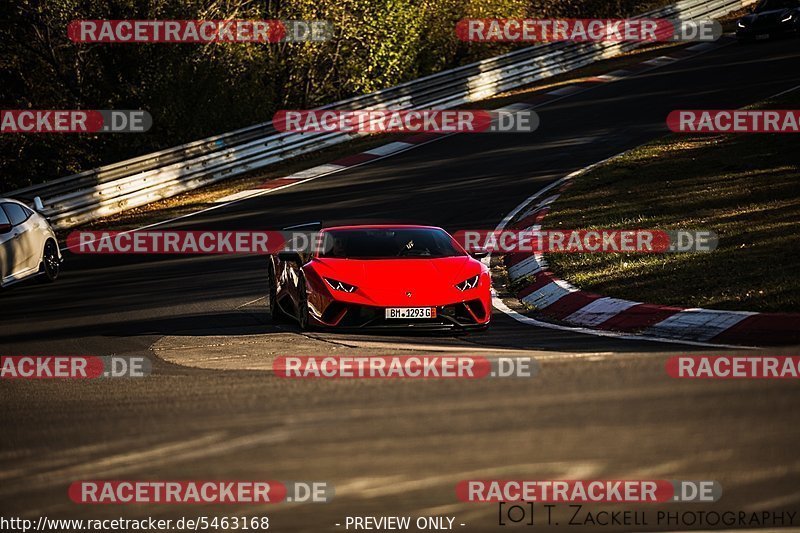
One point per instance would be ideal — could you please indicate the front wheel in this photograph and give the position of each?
(302, 305)
(51, 265)
(275, 313)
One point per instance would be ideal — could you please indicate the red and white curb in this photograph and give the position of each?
(344, 163)
(557, 300)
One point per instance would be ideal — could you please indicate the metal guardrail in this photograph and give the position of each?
(81, 198)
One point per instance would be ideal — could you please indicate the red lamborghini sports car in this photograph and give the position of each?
(382, 276)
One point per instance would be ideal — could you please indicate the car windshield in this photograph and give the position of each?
(773, 5)
(393, 243)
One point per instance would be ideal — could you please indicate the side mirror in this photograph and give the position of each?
(5, 228)
(479, 254)
(38, 205)
(288, 256)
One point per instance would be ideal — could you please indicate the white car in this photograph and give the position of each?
(28, 245)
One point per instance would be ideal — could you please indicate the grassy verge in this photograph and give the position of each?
(744, 187)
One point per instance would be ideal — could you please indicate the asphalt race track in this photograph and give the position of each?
(602, 408)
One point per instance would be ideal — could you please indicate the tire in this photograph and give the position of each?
(51, 266)
(302, 305)
(275, 313)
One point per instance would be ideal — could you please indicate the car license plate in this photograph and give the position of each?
(410, 312)
(762, 37)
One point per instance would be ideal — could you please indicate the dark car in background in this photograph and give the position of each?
(770, 19)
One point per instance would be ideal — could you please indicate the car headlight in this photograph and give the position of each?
(468, 284)
(340, 285)
(741, 24)
(787, 17)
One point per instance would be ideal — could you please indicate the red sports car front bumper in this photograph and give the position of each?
(470, 310)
